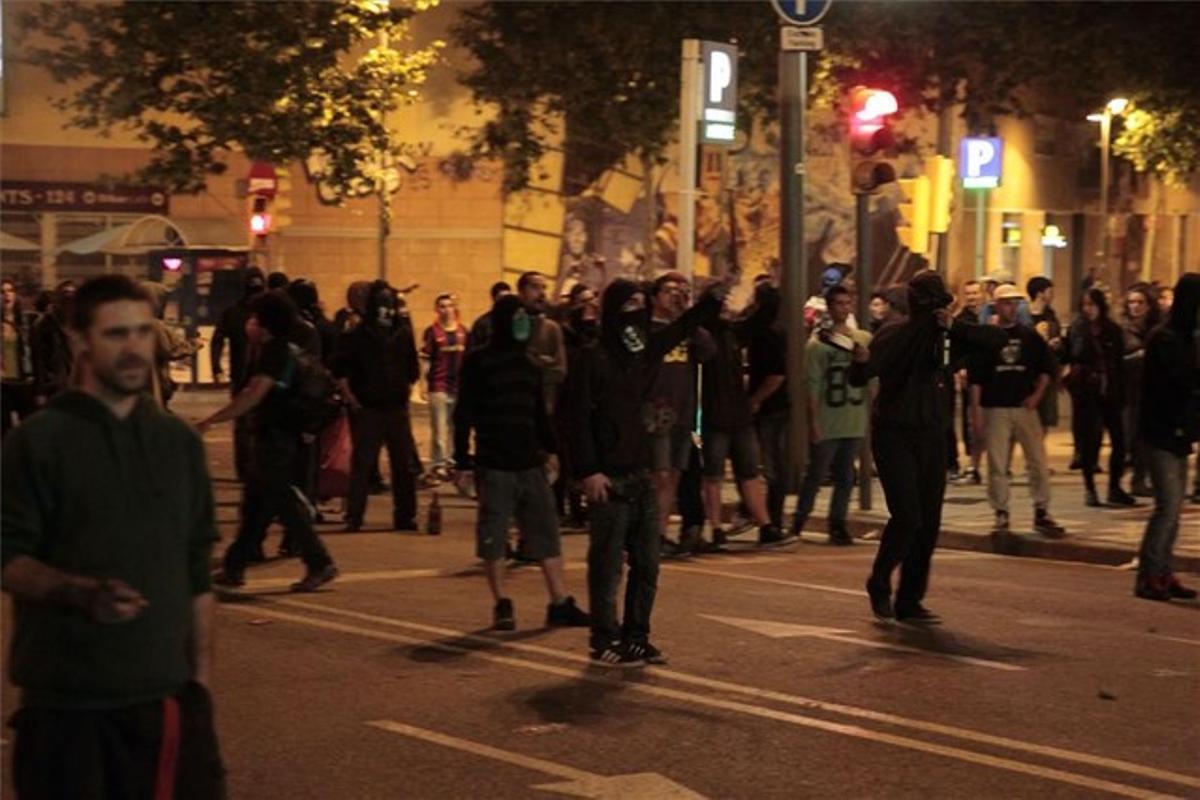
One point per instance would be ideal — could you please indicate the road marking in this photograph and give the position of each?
(580, 783)
(782, 630)
(719, 685)
(820, 587)
(1176, 639)
(355, 577)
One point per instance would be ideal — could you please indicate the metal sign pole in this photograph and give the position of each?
(689, 114)
(793, 91)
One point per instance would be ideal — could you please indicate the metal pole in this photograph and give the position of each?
(689, 115)
(385, 205)
(1105, 132)
(862, 227)
(793, 95)
(980, 228)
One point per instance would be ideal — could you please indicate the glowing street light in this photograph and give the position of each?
(1114, 107)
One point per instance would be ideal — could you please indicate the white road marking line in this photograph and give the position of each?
(1176, 639)
(781, 697)
(853, 731)
(820, 587)
(780, 630)
(582, 784)
(354, 577)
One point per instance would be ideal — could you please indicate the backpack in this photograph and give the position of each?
(312, 393)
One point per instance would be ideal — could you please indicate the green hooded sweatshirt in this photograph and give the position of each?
(91, 494)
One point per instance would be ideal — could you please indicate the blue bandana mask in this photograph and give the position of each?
(522, 326)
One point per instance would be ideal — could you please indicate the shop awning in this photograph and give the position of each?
(154, 232)
(10, 242)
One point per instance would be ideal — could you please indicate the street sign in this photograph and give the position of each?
(801, 12)
(262, 180)
(804, 40)
(980, 161)
(719, 105)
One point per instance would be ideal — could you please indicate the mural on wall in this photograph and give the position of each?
(602, 233)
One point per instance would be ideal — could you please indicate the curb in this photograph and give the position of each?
(1024, 546)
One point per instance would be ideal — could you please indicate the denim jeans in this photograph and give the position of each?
(772, 444)
(838, 453)
(627, 522)
(441, 422)
(1168, 475)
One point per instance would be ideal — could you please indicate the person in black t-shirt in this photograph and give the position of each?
(268, 491)
(1006, 390)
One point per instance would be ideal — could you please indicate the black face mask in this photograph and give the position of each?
(631, 327)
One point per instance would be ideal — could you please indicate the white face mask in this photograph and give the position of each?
(385, 315)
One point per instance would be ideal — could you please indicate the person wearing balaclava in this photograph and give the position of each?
(607, 418)
(232, 328)
(51, 350)
(377, 365)
(501, 399)
(580, 329)
(908, 421)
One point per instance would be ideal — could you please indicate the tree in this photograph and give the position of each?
(280, 81)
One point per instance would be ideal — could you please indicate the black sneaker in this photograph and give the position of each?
(646, 652)
(669, 549)
(1178, 591)
(1045, 525)
(567, 615)
(502, 616)
(1091, 499)
(230, 578)
(315, 578)
(404, 524)
(770, 535)
(917, 615)
(881, 602)
(616, 655)
(1119, 497)
(1000, 524)
(840, 537)
(974, 477)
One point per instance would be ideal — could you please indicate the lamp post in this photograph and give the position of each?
(1114, 107)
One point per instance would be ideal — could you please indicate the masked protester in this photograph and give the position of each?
(377, 364)
(52, 361)
(232, 329)
(1170, 426)
(502, 401)
(911, 360)
(610, 452)
(581, 329)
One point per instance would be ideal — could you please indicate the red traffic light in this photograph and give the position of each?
(869, 112)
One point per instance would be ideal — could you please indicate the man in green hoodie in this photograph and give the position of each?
(108, 530)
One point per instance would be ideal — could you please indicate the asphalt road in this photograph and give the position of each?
(1048, 679)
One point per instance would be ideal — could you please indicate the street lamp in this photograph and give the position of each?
(1115, 106)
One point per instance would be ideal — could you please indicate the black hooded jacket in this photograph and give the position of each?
(232, 328)
(379, 361)
(500, 397)
(608, 416)
(1170, 411)
(912, 364)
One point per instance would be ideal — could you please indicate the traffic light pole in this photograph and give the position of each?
(793, 94)
(862, 227)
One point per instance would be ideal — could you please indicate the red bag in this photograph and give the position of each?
(333, 474)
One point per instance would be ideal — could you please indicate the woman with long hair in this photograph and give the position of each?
(16, 361)
(1170, 425)
(1096, 381)
(1141, 315)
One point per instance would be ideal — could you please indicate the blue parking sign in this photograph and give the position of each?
(801, 12)
(981, 161)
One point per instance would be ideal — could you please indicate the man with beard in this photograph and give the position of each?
(610, 453)
(107, 557)
(377, 364)
(912, 361)
(232, 329)
(502, 402)
(546, 348)
(51, 349)
(268, 491)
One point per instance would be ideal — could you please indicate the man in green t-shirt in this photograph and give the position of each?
(837, 414)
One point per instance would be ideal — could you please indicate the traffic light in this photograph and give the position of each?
(940, 171)
(870, 138)
(912, 228)
(260, 218)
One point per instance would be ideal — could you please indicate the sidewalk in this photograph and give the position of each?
(1095, 535)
